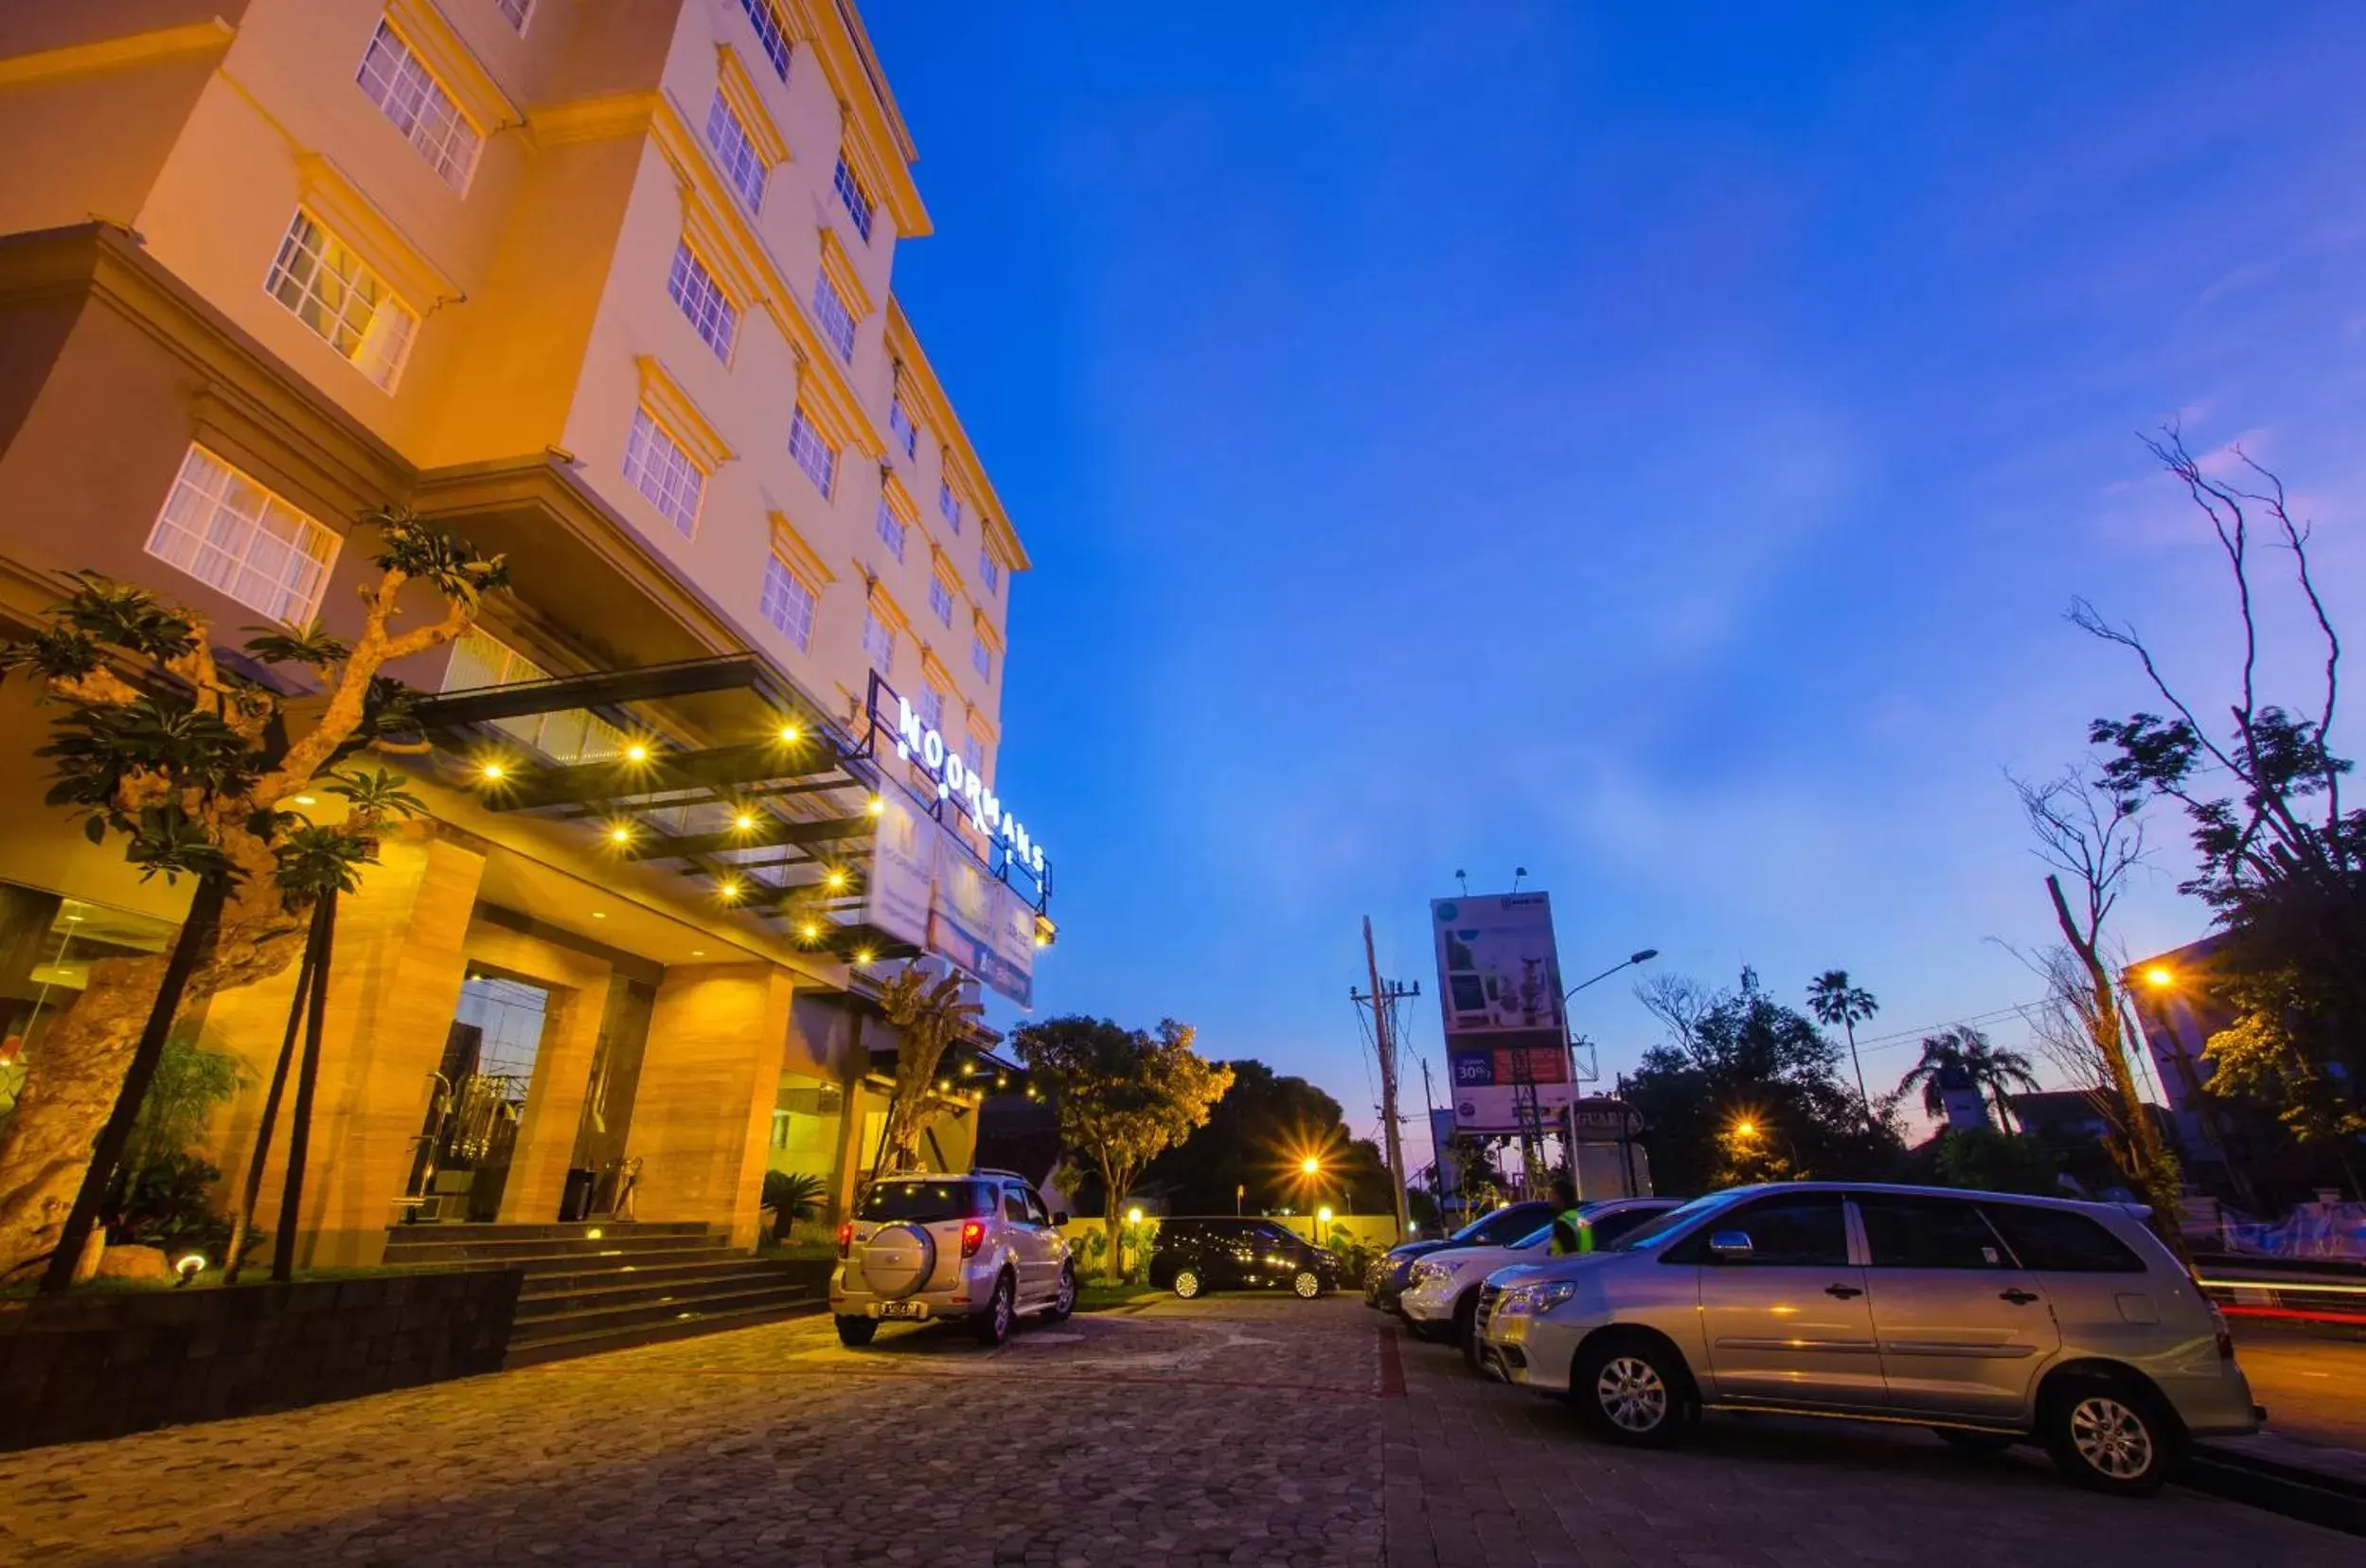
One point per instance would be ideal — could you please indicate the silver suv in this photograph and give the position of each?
(981, 1247)
(1990, 1317)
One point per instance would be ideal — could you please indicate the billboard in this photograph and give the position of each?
(1499, 991)
(926, 890)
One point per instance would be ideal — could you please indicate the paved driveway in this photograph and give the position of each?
(1232, 1430)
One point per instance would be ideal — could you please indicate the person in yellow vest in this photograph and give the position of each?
(1572, 1235)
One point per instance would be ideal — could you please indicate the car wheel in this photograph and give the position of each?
(1187, 1283)
(1065, 1302)
(2108, 1436)
(994, 1323)
(855, 1332)
(1467, 1326)
(1630, 1391)
(1307, 1284)
(1975, 1442)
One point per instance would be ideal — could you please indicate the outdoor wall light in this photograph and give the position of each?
(2160, 977)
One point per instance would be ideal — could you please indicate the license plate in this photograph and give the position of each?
(903, 1310)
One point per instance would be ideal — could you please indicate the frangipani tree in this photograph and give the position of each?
(193, 765)
(931, 1015)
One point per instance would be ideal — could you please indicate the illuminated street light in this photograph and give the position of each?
(1133, 1216)
(1311, 1166)
(2160, 977)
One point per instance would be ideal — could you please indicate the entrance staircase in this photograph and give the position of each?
(608, 1285)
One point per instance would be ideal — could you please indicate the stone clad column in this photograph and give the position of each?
(703, 1115)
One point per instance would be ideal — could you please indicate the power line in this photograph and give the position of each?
(1904, 1036)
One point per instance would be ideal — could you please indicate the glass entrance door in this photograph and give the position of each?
(487, 1075)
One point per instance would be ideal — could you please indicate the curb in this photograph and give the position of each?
(2308, 1495)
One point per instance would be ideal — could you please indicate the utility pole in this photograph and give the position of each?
(1437, 1155)
(1383, 999)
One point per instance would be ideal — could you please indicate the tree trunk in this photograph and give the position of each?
(307, 1080)
(234, 1259)
(1112, 1219)
(2148, 1165)
(73, 1072)
(189, 948)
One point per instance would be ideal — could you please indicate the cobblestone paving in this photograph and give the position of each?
(1233, 1430)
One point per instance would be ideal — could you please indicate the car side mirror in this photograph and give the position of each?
(1734, 1246)
(1059, 1216)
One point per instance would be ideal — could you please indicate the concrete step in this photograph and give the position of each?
(535, 1352)
(556, 1277)
(677, 1308)
(598, 1293)
(629, 1247)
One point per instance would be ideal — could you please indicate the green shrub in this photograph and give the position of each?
(792, 1196)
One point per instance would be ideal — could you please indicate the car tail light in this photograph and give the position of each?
(846, 1237)
(972, 1236)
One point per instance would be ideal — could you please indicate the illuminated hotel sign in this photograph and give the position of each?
(957, 780)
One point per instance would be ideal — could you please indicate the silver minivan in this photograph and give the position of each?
(1990, 1317)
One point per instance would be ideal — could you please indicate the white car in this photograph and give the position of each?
(982, 1248)
(1445, 1290)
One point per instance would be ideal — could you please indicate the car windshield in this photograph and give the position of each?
(1661, 1225)
(1502, 1228)
(1534, 1238)
(925, 1202)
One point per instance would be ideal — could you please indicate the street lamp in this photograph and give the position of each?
(1310, 1171)
(1633, 960)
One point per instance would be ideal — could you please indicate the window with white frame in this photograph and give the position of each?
(900, 421)
(891, 529)
(734, 151)
(516, 12)
(879, 642)
(788, 602)
(702, 301)
(329, 289)
(989, 570)
(229, 532)
(830, 308)
(949, 505)
(662, 470)
(772, 32)
(941, 599)
(982, 658)
(856, 199)
(811, 452)
(933, 707)
(398, 81)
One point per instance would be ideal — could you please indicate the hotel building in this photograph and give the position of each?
(605, 285)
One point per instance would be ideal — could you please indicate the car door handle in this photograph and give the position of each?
(2018, 1296)
(1842, 1292)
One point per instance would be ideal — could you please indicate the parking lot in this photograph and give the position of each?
(1229, 1429)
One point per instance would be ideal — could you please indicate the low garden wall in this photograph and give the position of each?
(101, 1364)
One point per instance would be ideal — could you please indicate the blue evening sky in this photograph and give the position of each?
(1653, 445)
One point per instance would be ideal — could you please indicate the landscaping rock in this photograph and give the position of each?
(122, 1262)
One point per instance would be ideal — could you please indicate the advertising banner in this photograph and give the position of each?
(925, 889)
(1499, 991)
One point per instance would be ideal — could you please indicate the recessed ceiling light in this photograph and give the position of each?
(637, 753)
(744, 821)
(600, 915)
(698, 952)
(306, 800)
(492, 769)
(788, 732)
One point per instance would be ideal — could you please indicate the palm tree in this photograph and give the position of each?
(1834, 1000)
(1992, 1070)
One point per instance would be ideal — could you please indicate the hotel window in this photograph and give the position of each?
(941, 599)
(948, 506)
(517, 12)
(734, 150)
(879, 642)
(973, 753)
(397, 81)
(900, 421)
(989, 572)
(891, 529)
(333, 293)
(830, 308)
(661, 471)
(812, 453)
(981, 658)
(788, 602)
(702, 301)
(229, 532)
(857, 201)
(932, 708)
(770, 32)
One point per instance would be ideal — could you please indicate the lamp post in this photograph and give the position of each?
(1310, 1171)
(1633, 960)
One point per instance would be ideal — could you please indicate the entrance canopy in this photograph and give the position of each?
(712, 764)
